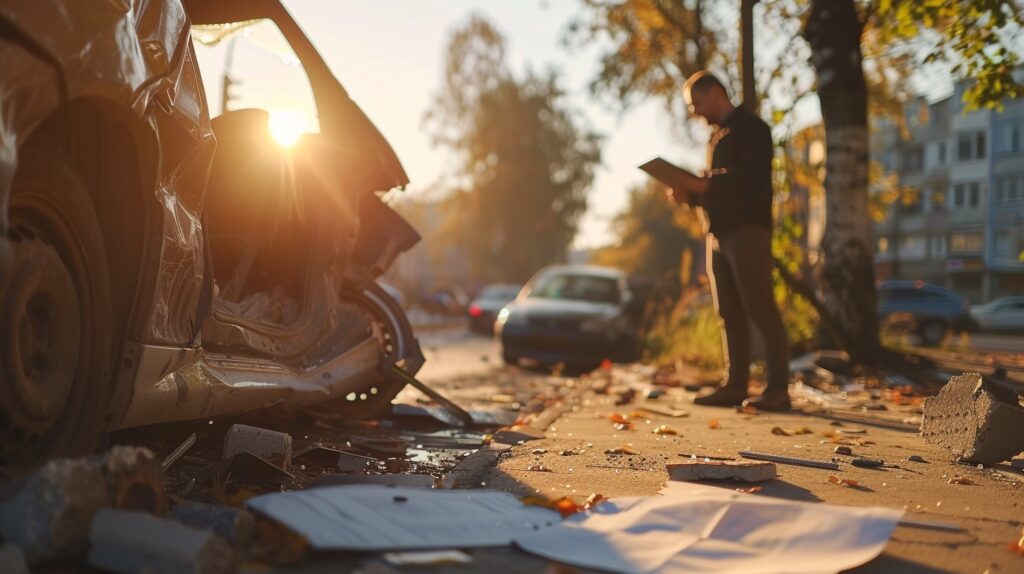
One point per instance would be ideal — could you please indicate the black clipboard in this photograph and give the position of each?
(670, 174)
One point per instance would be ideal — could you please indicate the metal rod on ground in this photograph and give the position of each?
(178, 452)
(789, 460)
(930, 525)
(394, 371)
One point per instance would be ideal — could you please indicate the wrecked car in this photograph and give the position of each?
(157, 265)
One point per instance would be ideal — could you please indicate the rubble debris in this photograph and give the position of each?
(713, 424)
(749, 471)
(565, 505)
(234, 525)
(976, 420)
(381, 445)
(624, 426)
(428, 558)
(347, 462)
(618, 418)
(380, 518)
(246, 466)
(271, 446)
(129, 542)
(789, 460)
(12, 561)
(179, 451)
(962, 480)
(750, 489)
(845, 450)
(665, 430)
(539, 451)
(447, 442)
(847, 482)
(915, 458)
(621, 450)
(538, 467)
(707, 456)
(48, 517)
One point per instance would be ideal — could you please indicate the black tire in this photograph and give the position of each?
(509, 358)
(56, 326)
(932, 332)
(400, 346)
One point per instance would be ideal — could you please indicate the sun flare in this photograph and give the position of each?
(287, 126)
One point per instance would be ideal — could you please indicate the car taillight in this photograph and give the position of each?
(475, 311)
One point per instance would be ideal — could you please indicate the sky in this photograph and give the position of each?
(389, 55)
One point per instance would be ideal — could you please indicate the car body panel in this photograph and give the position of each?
(916, 304)
(134, 61)
(1003, 314)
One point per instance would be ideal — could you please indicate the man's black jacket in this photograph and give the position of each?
(740, 191)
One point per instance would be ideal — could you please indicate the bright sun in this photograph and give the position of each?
(286, 126)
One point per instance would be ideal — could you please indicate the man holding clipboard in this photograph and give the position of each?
(736, 195)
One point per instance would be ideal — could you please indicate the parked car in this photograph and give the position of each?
(483, 310)
(158, 266)
(1003, 314)
(578, 315)
(930, 311)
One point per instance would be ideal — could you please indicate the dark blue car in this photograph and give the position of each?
(931, 311)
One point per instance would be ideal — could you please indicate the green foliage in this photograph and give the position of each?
(526, 160)
(691, 332)
(651, 234)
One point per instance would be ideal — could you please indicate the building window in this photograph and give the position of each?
(913, 247)
(966, 242)
(1002, 245)
(970, 146)
(937, 246)
(1010, 137)
(966, 195)
(1010, 188)
(942, 152)
(912, 160)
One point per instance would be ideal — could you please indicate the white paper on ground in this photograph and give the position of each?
(697, 528)
(382, 518)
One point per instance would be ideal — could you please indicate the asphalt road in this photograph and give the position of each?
(1010, 342)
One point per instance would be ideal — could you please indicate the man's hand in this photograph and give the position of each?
(677, 196)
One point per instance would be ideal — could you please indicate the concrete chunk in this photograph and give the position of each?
(748, 470)
(272, 446)
(127, 541)
(49, 516)
(975, 420)
(234, 525)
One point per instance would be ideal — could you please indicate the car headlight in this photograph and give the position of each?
(506, 317)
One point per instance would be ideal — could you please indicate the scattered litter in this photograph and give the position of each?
(962, 480)
(234, 525)
(271, 446)
(449, 413)
(618, 418)
(448, 442)
(852, 431)
(664, 430)
(492, 417)
(402, 480)
(789, 460)
(125, 541)
(664, 410)
(845, 450)
(179, 451)
(713, 424)
(539, 451)
(378, 518)
(847, 482)
(538, 467)
(868, 463)
(347, 462)
(695, 528)
(517, 434)
(707, 456)
(791, 432)
(745, 470)
(915, 458)
(1018, 546)
(435, 558)
(623, 426)
(624, 449)
(380, 445)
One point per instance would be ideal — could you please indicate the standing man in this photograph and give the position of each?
(736, 193)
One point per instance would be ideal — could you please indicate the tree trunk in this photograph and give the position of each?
(833, 31)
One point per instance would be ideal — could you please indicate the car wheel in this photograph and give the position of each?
(509, 358)
(398, 344)
(55, 331)
(932, 332)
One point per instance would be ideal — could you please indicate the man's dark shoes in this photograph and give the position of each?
(772, 400)
(727, 396)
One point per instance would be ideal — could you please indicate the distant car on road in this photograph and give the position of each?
(578, 315)
(931, 311)
(484, 309)
(1003, 314)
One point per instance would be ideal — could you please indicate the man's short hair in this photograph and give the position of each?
(703, 81)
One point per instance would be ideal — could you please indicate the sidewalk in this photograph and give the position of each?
(571, 460)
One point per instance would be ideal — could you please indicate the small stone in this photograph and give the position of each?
(915, 458)
(748, 470)
(843, 450)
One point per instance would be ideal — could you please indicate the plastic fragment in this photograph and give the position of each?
(847, 482)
